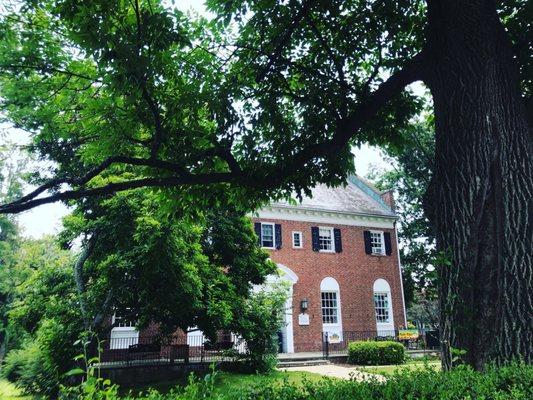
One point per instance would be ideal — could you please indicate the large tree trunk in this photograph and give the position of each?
(480, 200)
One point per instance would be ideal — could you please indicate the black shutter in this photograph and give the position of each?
(368, 242)
(257, 229)
(338, 241)
(314, 238)
(278, 236)
(388, 246)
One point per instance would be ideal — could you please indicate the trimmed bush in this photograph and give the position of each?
(376, 353)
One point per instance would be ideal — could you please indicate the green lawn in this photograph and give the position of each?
(9, 392)
(390, 369)
(226, 382)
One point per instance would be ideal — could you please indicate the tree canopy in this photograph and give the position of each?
(156, 267)
(265, 99)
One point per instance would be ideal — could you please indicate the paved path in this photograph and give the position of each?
(337, 371)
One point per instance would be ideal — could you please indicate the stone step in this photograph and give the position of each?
(301, 363)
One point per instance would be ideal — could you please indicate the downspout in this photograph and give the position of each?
(401, 277)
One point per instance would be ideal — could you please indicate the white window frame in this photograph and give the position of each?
(382, 248)
(273, 235)
(334, 330)
(381, 286)
(330, 229)
(336, 308)
(299, 233)
(388, 308)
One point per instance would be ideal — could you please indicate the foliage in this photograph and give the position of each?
(30, 369)
(199, 101)
(10, 188)
(267, 97)
(509, 382)
(258, 323)
(263, 100)
(159, 266)
(376, 353)
(424, 311)
(411, 365)
(410, 177)
(43, 313)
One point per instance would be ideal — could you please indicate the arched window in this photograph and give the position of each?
(383, 305)
(331, 308)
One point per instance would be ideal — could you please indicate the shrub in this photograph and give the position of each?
(376, 353)
(510, 382)
(258, 324)
(31, 370)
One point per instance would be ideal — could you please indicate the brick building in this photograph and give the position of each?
(338, 252)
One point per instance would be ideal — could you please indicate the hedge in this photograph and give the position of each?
(376, 353)
(509, 382)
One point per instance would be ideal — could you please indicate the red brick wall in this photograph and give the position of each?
(354, 270)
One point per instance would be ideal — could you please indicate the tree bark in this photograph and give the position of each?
(480, 199)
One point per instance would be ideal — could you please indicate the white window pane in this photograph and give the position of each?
(296, 239)
(325, 240)
(381, 305)
(329, 308)
(376, 239)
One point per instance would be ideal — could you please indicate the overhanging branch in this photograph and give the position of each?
(172, 181)
(180, 176)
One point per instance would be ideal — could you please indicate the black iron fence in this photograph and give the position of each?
(156, 349)
(337, 344)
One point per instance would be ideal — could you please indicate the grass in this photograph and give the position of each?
(226, 382)
(411, 365)
(8, 391)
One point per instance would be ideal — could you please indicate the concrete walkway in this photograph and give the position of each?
(337, 371)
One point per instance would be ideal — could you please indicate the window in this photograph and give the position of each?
(297, 240)
(376, 239)
(329, 308)
(381, 304)
(325, 239)
(267, 235)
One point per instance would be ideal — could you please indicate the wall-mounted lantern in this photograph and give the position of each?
(304, 304)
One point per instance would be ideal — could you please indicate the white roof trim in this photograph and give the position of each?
(304, 214)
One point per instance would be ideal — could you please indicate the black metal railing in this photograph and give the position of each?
(338, 344)
(156, 349)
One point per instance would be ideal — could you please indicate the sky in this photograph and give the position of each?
(46, 219)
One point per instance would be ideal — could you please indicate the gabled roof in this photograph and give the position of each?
(357, 197)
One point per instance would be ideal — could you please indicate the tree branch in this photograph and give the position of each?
(80, 281)
(43, 68)
(360, 116)
(282, 42)
(346, 129)
(172, 181)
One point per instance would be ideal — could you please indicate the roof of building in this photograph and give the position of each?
(358, 196)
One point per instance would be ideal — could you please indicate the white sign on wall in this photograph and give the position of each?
(303, 319)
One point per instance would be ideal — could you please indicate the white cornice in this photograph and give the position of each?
(306, 214)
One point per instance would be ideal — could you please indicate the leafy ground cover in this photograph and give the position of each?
(8, 391)
(226, 382)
